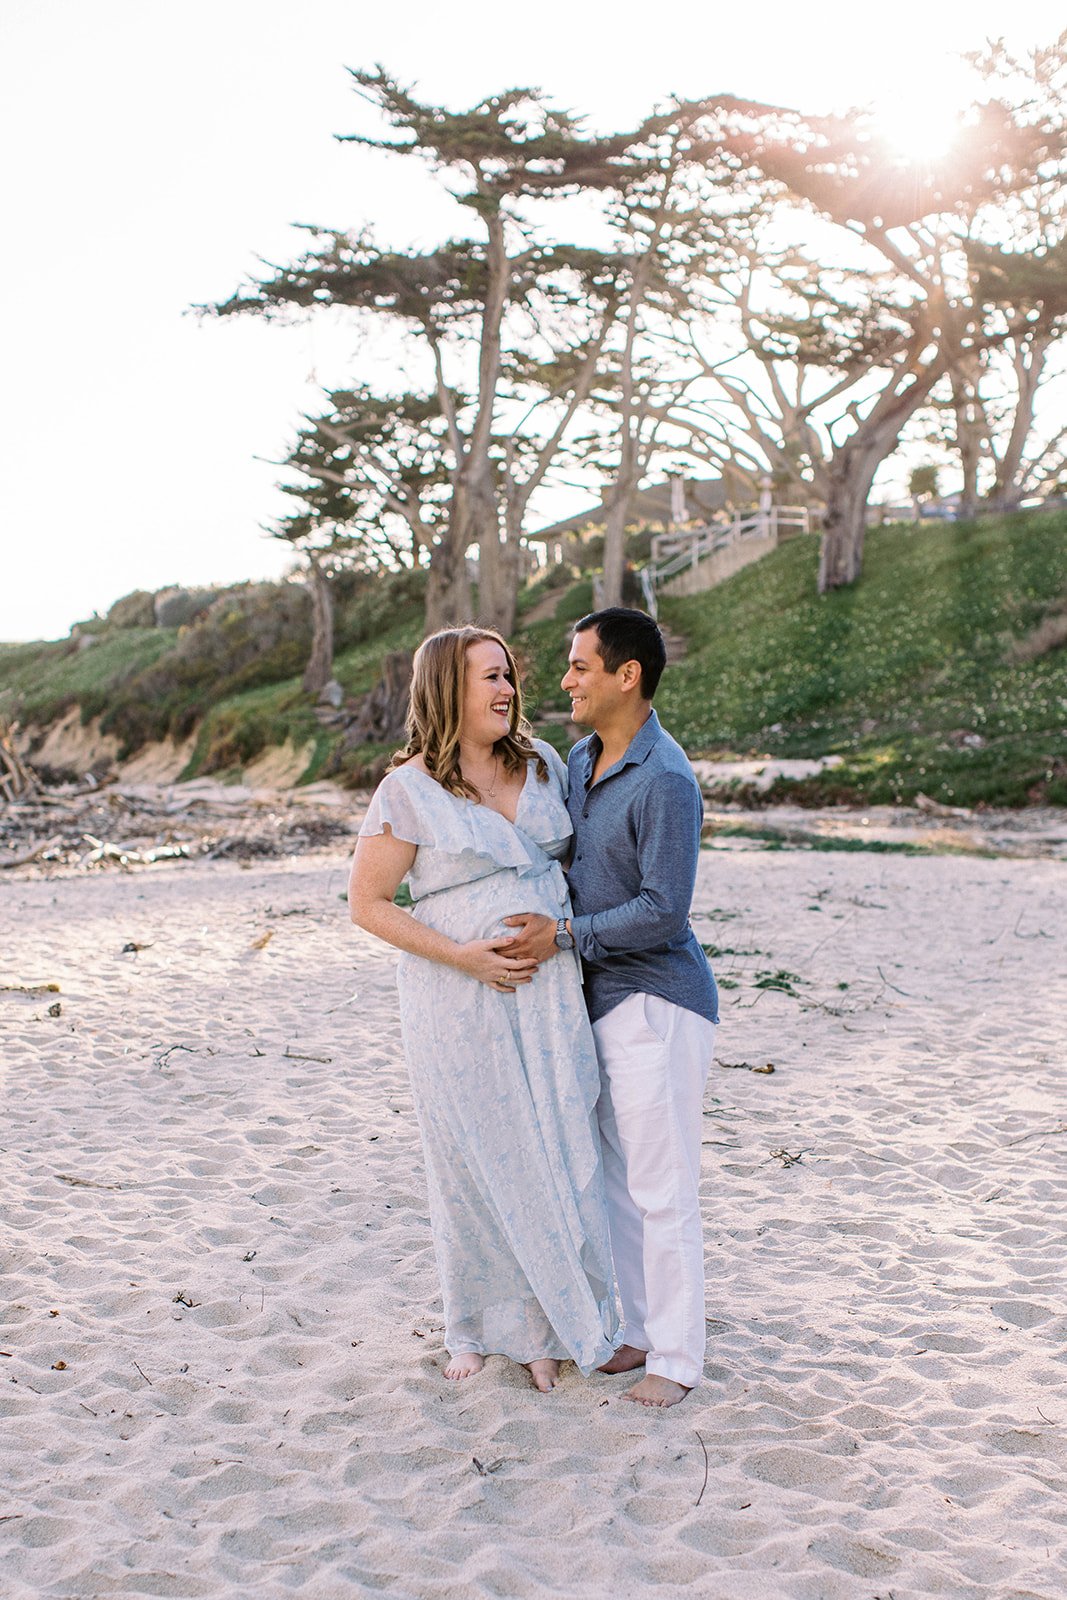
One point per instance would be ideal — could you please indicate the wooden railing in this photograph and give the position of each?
(675, 552)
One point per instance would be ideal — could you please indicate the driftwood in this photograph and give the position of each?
(34, 854)
(16, 779)
(381, 716)
(105, 850)
(101, 829)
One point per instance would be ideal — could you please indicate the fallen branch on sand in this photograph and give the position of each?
(15, 777)
(1039, 1133)
(704, 1485)
(104, 850)
(35, 854)
(193, 1050)
(789, 1160)
(85, 1183)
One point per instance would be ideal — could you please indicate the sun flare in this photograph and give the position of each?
(916, 126)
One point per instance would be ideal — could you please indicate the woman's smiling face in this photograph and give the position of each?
(488, 694)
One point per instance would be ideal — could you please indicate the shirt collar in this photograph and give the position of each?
(636, 751)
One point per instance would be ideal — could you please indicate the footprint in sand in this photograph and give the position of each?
(1020, 1313)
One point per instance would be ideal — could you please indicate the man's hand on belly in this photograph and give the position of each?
(536, 939)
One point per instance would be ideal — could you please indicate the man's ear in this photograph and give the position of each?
(629, 676)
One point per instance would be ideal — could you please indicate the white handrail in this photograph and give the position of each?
(673, 552)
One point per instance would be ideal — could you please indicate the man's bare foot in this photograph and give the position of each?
(464, 1366)
(656, 1391)
(626, 1358)
(545, 1374)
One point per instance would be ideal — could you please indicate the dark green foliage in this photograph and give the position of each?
(369, 606)
(136, 610)
(800, 839)
(782, 981)
(177, 608)
(237, 730)
(577, 602)
(38, 682)
(248, 637)
(553, 581)
(370, 470)
(542, 655)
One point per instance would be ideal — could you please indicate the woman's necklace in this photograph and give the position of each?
(491, 791)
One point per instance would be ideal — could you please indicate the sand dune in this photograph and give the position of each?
(220, 1333)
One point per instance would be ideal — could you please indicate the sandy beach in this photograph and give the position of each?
(220, 1345)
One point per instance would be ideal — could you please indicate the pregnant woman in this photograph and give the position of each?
(503, 1068)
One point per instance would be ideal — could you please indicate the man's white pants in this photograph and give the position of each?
(654, 1060)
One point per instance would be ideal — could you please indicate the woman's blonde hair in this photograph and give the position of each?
(438, 684)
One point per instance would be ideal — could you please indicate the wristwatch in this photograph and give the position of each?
(564, 940)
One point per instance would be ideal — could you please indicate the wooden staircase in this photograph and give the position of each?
(677, 553)
(675, 644)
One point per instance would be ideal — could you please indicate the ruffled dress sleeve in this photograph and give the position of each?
(393, 804)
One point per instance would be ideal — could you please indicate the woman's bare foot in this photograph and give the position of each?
(464, 1366)
(545, 1374)
(656, 1391)
(626, 1358)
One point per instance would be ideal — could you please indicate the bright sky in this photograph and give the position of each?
(154, 150)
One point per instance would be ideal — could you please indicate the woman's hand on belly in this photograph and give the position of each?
(489, 961)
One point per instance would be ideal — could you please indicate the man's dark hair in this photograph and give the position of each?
(626, 635)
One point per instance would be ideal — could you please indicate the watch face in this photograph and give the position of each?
(564, 940)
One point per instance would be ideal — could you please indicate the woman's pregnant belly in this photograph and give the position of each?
(477, 910)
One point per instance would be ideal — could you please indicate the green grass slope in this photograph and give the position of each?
(44, 680)
(917, 676)
(939, 672)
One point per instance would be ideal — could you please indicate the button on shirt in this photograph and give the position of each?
(636, 843)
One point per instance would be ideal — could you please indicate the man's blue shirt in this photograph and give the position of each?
(636, 843)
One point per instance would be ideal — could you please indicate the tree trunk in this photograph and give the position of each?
(615, 547)
(849, 474)
(382, 714)
(319, 669)
(848, 480)
(510, 574)
(1029, 363)
(496, 597)
(475, 507)
(630, 419)
(448, 589)
(622, 497)
(475, 521)
(970, 434)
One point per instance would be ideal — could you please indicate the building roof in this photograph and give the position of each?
(703, 498)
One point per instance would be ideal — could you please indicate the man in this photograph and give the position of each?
(637, 813)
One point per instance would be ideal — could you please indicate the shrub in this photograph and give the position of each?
(250, 636)
(136, 610)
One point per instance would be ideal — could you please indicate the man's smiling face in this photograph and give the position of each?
(596, 693)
